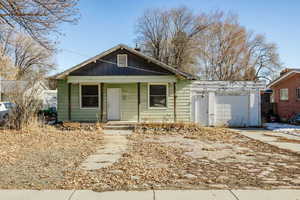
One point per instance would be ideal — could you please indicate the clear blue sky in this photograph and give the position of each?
(104, 24)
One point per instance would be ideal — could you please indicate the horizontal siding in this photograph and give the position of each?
(129, 105)
(183, 101)
(167, 115)
(79, 114)
(62, 100)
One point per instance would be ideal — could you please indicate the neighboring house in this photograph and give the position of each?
(49, 98)
(286, 93)
(124, 84)
(46, 96)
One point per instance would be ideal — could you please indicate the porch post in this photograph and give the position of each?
(175, 115)
(138, 99)
(101, 102)
(69, 101)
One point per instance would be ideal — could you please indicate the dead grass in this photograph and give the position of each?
(188, 130)
(159, 156)
(164, 156)
(38, 158)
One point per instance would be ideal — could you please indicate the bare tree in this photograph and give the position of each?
(30, 58)
(23, 58)
(227, 51)
(38, 18)
(168, 35)
(152, 29)
(213, 45)
(263, 60)
(221, 47)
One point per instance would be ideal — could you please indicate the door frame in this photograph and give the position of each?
(120, 98)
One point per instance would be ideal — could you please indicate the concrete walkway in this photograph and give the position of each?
(115, 144)
(271, 137)
(151, 195)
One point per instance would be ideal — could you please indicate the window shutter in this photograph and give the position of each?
(122, 60)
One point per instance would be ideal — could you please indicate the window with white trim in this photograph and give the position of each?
(89, 96)
(272, 97)
(158, 95)
(122, 60)
(284, 94)
(298, 93)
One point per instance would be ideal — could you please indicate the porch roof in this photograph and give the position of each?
(121, 79)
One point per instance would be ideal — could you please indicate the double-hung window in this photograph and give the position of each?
(122, 60)
(284, 94)
(89, 96)
(158, 94)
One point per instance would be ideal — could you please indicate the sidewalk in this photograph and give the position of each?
(262, 135)
(151, 195)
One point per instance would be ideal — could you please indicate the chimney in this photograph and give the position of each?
(286, 70)
(137, 47)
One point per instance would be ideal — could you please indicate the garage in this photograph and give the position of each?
(232, 110)
(224, 103)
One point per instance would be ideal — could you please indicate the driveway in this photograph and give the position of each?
(281, 140)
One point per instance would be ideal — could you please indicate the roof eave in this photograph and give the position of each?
(282, 78)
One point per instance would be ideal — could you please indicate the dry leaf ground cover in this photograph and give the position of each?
(39, 158)
(160, 156)
(191, 157)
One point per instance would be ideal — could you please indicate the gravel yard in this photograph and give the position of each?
(171, 157)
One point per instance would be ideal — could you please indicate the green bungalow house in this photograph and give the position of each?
(123, 84)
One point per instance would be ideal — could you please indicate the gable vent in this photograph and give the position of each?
(122, 60)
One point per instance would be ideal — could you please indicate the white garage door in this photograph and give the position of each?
(232, 111)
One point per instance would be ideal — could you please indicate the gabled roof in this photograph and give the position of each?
(283, 77)
(65, 73)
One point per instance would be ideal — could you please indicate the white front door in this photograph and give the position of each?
(113, 103)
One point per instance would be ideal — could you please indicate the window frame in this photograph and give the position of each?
(167, 95)
(80, 95)
(272, 97)
(118, 57)
(298, 92)
(280, 94)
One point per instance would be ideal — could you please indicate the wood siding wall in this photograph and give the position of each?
(129, 104)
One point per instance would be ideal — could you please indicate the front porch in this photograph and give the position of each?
(116, 101)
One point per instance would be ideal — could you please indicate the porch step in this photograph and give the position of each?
(120, 123)
(118, 127)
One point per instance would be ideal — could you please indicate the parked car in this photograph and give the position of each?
(5, 110)
(295, 119)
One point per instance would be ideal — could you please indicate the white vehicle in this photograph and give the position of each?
(5, 110)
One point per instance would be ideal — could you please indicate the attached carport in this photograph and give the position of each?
(225, 103)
